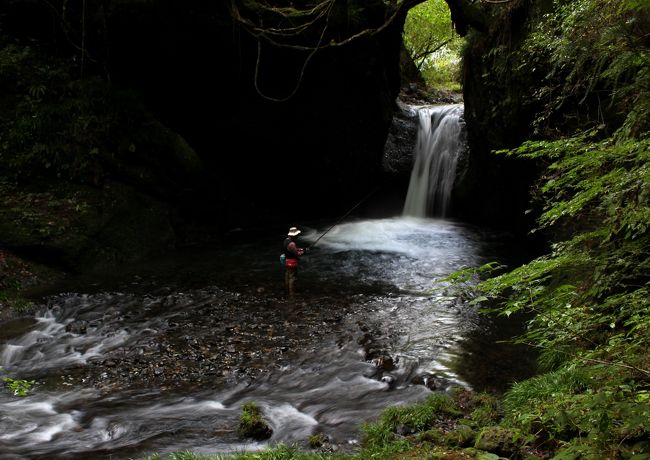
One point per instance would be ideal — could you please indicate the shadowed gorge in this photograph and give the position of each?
(230, 155)
(466, 182)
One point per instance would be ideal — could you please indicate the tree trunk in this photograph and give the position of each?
(465, 15)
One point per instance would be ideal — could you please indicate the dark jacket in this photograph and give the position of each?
(291, 250)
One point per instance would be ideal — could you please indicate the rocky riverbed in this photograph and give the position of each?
(137, 362)
(206, 338)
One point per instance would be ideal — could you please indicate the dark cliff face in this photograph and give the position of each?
(515, 90)
(310, 155)
(197, 73)
(499, 112)
(196, 70)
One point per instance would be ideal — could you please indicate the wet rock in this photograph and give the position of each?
(334, 319)
(499, 440)
(384, 362)
(400, 142)
(77, 327)
(462, 436)
(432, 382)
(404, 430)
(251, 423)
(318, 440)
(228, 345)
(389, 379)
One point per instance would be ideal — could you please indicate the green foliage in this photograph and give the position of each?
(414, 418)
(18, 387)
(58, 127)
(462, 283)
(434, 428)
(636, 4)
(590, 410)
(593, 74)
(486, 410)
(609, 179)
(317, 440)
(589, 297)
(592, 284)
(279, 452)
(562, 67)
(251, 423)
(529, 401)
(51, 124)
(434, 46)
(418, 418)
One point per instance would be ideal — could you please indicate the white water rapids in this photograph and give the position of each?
(378, 270)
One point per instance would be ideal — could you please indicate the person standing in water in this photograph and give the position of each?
(292, 253)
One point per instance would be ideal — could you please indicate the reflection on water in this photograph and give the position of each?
(172, 342)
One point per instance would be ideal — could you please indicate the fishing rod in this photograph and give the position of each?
(343, 217)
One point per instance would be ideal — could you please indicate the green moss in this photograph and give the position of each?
(487, 410)
(462, 436)
(317, 440)
(499, 440)
(252, 424)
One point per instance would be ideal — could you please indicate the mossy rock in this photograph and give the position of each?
(499, 440)
(434, 436)
(477, 454)
(251, 423)
(484, 415)
(317, 440)
(462, 436)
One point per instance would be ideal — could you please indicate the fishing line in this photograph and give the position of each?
(343, 217)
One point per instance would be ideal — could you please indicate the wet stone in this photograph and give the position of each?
(384, 362)
(77, 327)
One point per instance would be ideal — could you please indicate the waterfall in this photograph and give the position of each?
(439, 143)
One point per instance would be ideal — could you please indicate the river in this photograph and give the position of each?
(160, 357)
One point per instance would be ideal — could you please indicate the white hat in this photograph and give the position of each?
(293, 231)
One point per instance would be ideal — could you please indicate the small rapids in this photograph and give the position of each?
(161, 359)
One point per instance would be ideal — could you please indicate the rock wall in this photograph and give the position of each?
(499, 112)
(308, 156)
(254, 161)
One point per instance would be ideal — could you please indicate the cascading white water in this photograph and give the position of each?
(439, 143)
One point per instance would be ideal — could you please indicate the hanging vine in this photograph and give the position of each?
(314, 17)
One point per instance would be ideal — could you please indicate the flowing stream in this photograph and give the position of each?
(161, 358)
